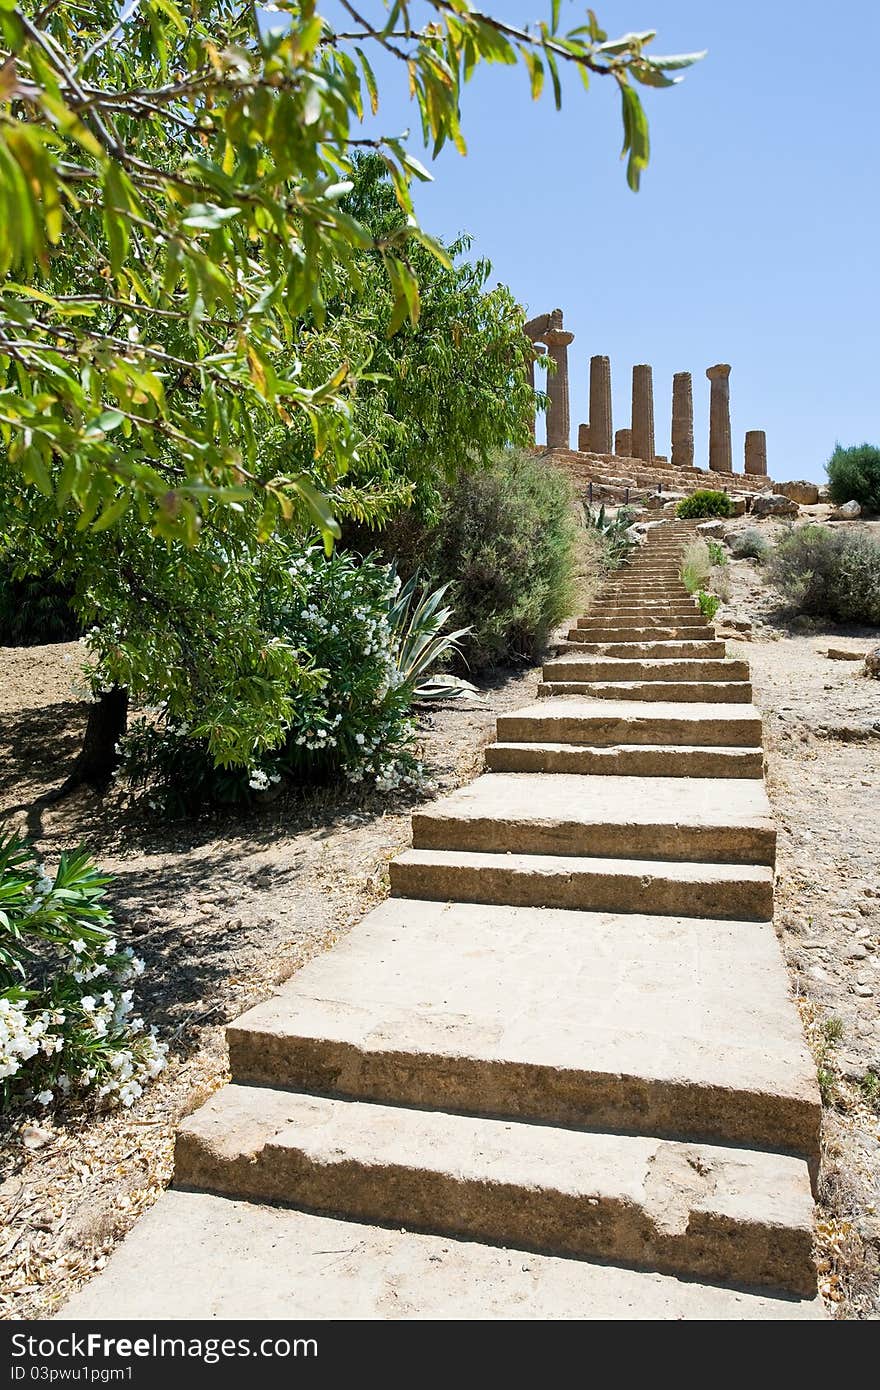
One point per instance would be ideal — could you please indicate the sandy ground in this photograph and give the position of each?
(222, 909)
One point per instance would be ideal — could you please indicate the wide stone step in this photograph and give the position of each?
(198, 1257)
(743, 892)
(604, 724)
(626, 760)
(676, 818)
(642, 618)
(657, 647)
(573, 668)
(716, 692)
(683, 1027)
(689, 632)
(694, 1209)
(648, 607)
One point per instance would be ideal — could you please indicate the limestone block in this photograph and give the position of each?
(848, 512)
(807, 494)
(774, 504)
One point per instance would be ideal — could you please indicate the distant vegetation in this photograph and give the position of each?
(854, 475)
(750, 545)
(705, 502)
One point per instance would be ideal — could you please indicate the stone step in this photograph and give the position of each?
(626, 760)
(715, 692)
(743, 892)
(677, 818)
(641, 618)
(573, 668)
(690, 632)
(605, 724)
(679, 1027)
(654, 647)
(691, 1209)
(196, 1257)
(630, 607)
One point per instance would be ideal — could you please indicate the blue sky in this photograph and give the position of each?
(754, 239)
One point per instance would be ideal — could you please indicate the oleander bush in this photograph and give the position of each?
(68, 1029)
(829, 573)
(705, 502)
(854, 475)
(368, 650)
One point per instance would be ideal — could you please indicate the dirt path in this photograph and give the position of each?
(220, 909)
(822, 736)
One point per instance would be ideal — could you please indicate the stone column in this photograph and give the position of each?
(756, 453)
(601, 434)
(558, 422)
(720, 453)
(643, 414)
(530, 370)
(682, 420)
(583, 439)
(623, 443)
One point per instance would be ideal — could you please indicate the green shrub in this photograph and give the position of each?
(696, 565)
(67, 1026)
(829, 573)
(751, 545)
(709, 604)
(854, 474)
(705, 502)
(34, 610)
(717, 552)
(615, 544)
(507, 538)
(367, 646)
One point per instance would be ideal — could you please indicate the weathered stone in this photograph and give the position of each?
(601, 433)
(872, 663)
(739, 506)
(843, 654)
(584, 439)
(712, 529)
(774, 504)
(558, 418)
(720, 455)
(848, 512)
(756, 454)
(807, 494)
(643, 413)
(682, 420)
(623, 443)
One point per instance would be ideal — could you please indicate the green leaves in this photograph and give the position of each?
(635, 135)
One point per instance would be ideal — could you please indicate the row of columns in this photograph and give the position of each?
(638, 441)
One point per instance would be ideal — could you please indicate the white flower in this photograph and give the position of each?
(44, 1098)
(78, 945)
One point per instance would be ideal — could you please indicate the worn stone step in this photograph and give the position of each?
(682, 1027)
(688, 632)
(698, 819)
(626, 760)
(196, 1257)
(602, 723)
(573, 668)
(656, 647)
(695, 1209)
(715, 692)
(743, 892)
(655, 607)
(641, 618)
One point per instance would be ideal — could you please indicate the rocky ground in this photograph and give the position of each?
(822, 723)
(222, 909)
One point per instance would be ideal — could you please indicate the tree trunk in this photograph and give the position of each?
(97, 759)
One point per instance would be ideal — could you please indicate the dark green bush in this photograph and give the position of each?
(829, 573)
(854, 474)
(507, 538)
(705, 502)
(35, 610)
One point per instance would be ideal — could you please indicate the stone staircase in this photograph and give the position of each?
(559, 1073)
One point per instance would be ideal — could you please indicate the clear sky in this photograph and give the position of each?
(754, 240)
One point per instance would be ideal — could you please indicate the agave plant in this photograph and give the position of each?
(417, 619)
(613, 533)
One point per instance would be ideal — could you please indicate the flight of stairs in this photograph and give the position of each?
(559, 1068)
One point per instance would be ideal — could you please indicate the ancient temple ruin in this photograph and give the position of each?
(636, 446)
